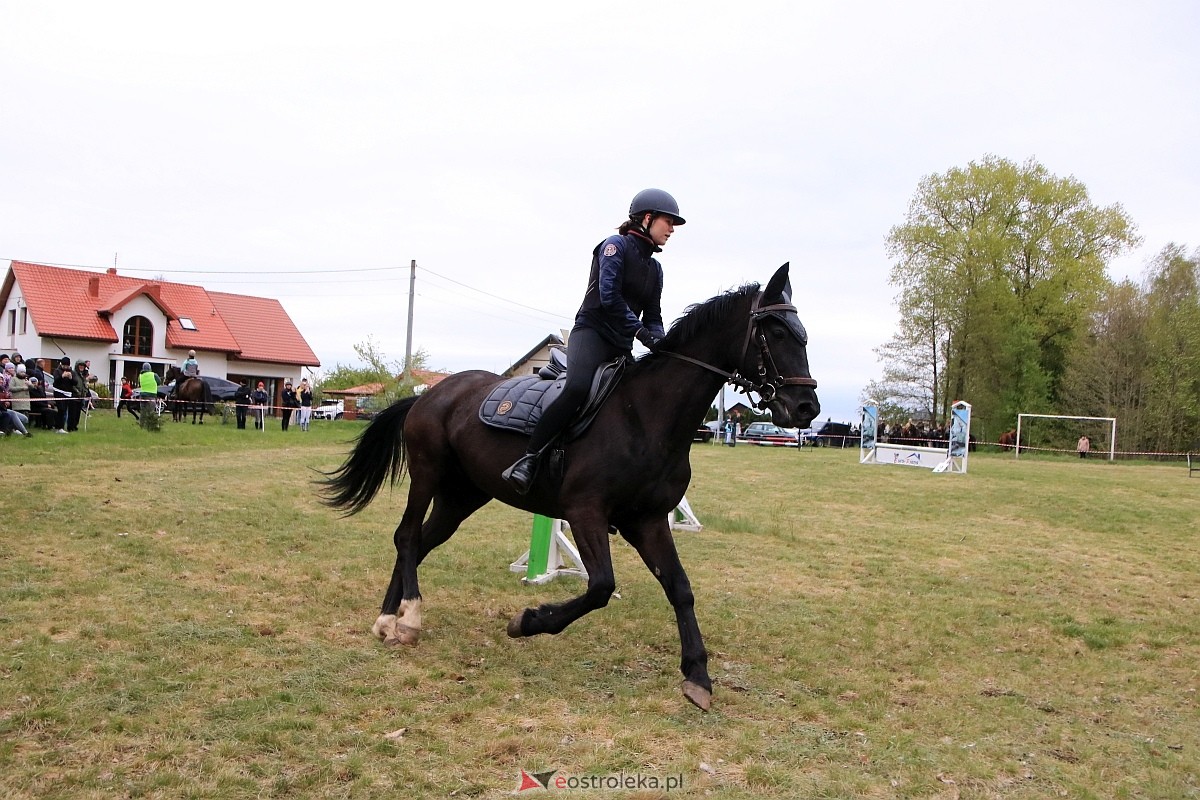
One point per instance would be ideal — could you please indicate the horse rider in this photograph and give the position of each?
(191, 369)
(622, 302)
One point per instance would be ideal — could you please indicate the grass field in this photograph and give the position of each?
(180, 618)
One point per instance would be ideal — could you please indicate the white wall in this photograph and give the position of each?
(16, 342)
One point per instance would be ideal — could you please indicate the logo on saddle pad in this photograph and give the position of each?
(504, 407)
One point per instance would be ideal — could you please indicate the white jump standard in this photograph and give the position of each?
(951, 458)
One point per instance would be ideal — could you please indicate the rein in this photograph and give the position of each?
(770, 380)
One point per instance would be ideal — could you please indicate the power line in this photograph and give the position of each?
(248, 281)
(489, 294)
(455, 305)
(157, 271)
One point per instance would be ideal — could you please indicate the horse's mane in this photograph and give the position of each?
(696, 319)
(702, 316)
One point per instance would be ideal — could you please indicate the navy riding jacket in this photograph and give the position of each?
(624, 290)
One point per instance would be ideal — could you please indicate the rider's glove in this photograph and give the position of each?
(649, 338)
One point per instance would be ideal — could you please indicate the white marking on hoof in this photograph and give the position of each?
(383, 626)
(402, 634)
(410, 613)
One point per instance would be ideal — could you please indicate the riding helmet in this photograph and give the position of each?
(656, 201)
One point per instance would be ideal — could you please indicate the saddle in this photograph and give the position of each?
(516, 404)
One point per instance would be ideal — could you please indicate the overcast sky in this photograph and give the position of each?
(310, 151)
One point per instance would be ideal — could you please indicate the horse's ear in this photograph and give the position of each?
(780, 286)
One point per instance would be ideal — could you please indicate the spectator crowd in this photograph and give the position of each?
(33, 399)
(36, 394)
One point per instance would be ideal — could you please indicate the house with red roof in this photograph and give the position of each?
(118, 323)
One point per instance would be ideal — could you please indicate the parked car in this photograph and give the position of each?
(768, 433)
(221, 389)
(836, 434)
(703, 433)
(329, 409)
(367, 407)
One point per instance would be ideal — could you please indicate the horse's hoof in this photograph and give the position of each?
(402, 634)
(514, 625)
(383, 624)
(700, 697)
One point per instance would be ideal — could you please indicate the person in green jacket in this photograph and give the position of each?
(148, 384)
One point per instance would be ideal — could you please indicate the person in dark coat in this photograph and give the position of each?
(261, 399)
(41, 412)
(288, 401)
(79, 391)
(241, 403)
(622, 303)
(64, 391)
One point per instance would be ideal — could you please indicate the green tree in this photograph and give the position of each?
(375, 368)
(1108, 374)
(1173, 337)
(998, 267)
(914, 360)
(1140, 361)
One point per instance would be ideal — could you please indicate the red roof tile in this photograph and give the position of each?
(365, 390)
(428, 377)
(118, 300)
(77, 304)
(264, 329)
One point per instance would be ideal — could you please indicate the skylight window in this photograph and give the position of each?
(187, 324)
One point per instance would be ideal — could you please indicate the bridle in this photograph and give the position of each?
(769, 379)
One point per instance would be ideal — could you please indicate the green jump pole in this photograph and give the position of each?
(539, 547)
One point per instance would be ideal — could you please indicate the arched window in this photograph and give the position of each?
(138, 339)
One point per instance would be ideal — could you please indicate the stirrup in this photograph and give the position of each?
(520, 475)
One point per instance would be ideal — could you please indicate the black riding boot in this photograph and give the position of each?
(520, 475)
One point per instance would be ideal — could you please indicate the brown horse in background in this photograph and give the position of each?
(1009, 438)
(189, 394)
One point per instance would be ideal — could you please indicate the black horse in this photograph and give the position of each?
(189, 394)
(629, 470)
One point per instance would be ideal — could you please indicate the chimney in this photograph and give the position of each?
(112, 270)
(94, 286)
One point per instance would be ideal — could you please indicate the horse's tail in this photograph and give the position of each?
(378, 454)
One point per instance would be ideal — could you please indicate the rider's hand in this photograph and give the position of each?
(649, 339)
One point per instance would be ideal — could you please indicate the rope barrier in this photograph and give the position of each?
(1093, 453)
(51, 409)
(115, 400)
(718, 438)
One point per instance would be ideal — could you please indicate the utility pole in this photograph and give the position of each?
(412, 294)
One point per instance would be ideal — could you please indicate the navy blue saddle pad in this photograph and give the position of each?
(516, 404)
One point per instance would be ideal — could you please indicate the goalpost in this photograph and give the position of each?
(1112, 429)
